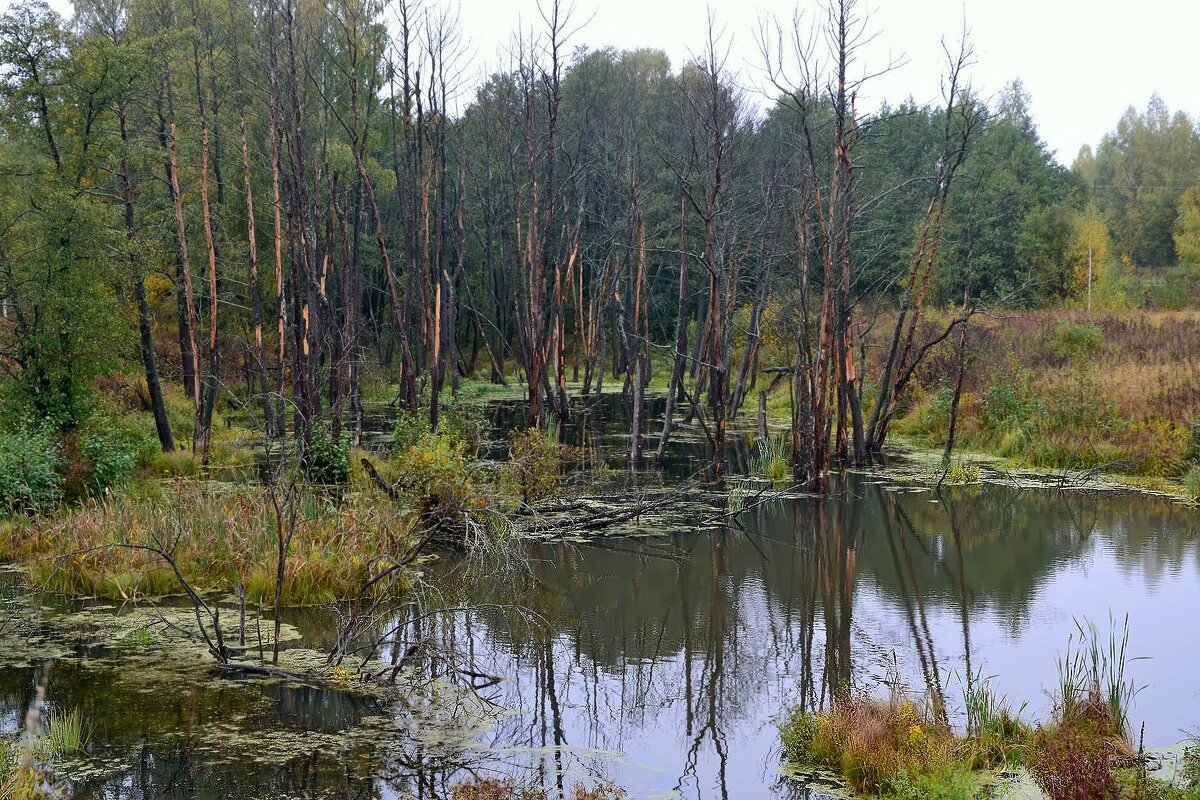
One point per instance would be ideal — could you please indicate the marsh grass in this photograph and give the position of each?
(770, 458)
(221, 535)
(1118, 392)
(889, 747)
(1094, 668)
(487, 788)
(1078, 754)
(1191, 484)
(996, 735)
(62, 734)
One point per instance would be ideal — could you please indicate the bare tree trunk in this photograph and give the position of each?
(202, 436)
(162, 424)
(188, 293)
(681, 336)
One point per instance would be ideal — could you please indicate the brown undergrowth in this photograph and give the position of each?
(1069, 390)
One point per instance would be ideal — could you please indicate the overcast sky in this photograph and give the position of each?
(1083, 62)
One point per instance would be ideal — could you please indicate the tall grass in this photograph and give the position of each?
(995, 733)
(770, 458)
(62, 734)
(890, 747)
(222, 536)
(1094, 668)
(1066, 391)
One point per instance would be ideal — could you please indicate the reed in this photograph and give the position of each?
(1095, 668)
(770, 458)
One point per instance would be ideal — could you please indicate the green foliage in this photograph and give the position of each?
(30, 461)
(1145, 166)
(1189, 769)
(1076, 340)
(437, 480)
(327, 460)
(409, 428)
(930, 420)
(462, 421)
(534, 464)
(1002, 408)
(113, 449)
(1191, 484)
(798, 733)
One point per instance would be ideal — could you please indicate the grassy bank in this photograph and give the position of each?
(902, 748)
(219, 527)
(1118, 393)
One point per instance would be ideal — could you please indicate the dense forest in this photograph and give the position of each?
(272, 203)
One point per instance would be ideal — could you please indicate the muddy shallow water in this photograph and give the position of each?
(661, 657)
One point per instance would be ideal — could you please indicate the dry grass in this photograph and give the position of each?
(881, 747)
(1119, 391)
(222, 536)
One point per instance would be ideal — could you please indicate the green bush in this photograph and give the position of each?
(930, 420)
(1002, 408)
(328, 459)
(437, 480)
(111, 457)
(30, 464)
(462, 420)
(1076, 339)
(409, 429)
(534, 464)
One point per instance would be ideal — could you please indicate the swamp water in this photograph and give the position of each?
(660, 656)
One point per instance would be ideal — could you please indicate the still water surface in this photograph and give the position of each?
(662, 658)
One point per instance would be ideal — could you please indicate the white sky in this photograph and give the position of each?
(1083, 61)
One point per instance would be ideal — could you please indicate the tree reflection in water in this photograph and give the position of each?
(662, 661)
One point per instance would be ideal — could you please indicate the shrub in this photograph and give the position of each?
(1189, 769)
(30, 461)
(1073, 762)
(932, 417)
(461, 421)
(887, 747)
(409, 428)
(534, 462)
(437, 479)
(111, 458)
(328, 459)
(1076, 339)
(1002, 408)
(464, 421)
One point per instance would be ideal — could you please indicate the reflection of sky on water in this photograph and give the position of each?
(679, 654)
(664, 661)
